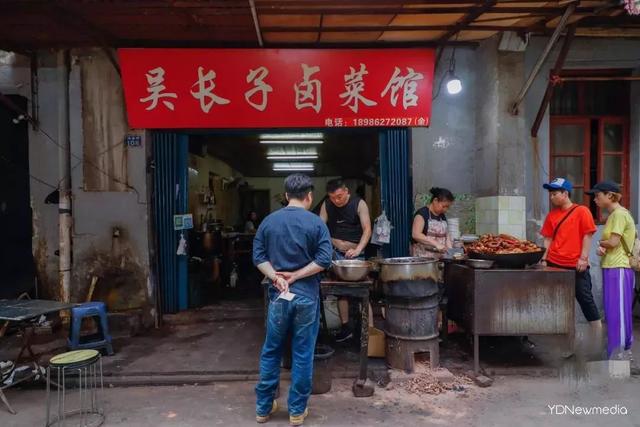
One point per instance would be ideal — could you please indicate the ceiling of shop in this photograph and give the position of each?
(347, 153)
(31, 24)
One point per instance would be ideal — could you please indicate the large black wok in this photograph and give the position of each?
(510, 260)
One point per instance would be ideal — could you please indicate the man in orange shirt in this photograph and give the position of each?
(568, 232)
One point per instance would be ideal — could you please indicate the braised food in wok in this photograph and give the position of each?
(502, 244)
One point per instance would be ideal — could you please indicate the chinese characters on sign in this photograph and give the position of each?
(257, 78)
(354, 86)
(201, 88)
(155, 78)
(205, 93)
(407, 83)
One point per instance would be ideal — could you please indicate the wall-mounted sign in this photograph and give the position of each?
(183, 222)
(133, 140)
(277, 88)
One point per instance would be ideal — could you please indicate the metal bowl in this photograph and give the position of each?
(516, 261)
(407, 261)
(479, 263)
(351, 270)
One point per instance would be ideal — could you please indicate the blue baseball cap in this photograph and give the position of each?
(558, 184)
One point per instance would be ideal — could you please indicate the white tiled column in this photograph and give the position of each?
(501, 214)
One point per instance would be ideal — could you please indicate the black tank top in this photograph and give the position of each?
(344, 223)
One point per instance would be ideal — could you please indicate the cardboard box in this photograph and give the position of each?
(377, 343)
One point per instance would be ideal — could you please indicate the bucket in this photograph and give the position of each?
(331, 312)
(322, 369)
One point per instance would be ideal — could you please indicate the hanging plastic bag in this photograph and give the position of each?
(182, 246)
(381, 230)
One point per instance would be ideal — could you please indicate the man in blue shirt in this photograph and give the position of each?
(292, 246)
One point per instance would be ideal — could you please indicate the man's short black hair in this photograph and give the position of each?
(334, 184)
(297, 186)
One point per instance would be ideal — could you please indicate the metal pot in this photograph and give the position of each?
(409, 277)
(408, 268)
(351, 270)
(411, 289)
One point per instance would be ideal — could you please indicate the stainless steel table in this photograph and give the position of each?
(505, 302)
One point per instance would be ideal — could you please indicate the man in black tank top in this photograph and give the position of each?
(349, 223)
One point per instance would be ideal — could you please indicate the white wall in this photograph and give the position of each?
(443, 153)
(275, 185)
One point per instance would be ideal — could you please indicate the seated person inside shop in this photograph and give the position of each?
(349, 223)
(251, 224)
(430, 232)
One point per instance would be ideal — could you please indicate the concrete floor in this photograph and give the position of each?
(201, 345)
(512, 400)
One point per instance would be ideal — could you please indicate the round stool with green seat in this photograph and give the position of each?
(80, 374)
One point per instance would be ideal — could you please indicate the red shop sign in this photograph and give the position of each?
(277, 88)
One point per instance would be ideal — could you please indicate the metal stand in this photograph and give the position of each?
(361, 386)
(90, 388)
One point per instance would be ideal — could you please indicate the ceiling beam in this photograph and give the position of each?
(462, 23)
(128, 4)
(26, 47)
(378, 44)
(374, 3)
(451, 29)
(430, 10)
(543, 56)
(68, 17)
(546, 99)
(468, 19)
(256, 22)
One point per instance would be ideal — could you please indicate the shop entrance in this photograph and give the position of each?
(230, 181)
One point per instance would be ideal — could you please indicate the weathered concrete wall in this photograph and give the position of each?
(634, 153)
(585, 54)
(443, 153)
(473, 144)
(486, 140)
(511, 129)
(499, 135)
(121, 263)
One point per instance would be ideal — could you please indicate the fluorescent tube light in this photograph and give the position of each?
(281, 136)
(293, 157)
(291, 141)
(293, 167)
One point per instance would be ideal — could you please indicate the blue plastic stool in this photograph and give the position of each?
(96, 341)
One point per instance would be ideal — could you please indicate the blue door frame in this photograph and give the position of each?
(397, 191)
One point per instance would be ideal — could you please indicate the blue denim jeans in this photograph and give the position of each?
(301, 316)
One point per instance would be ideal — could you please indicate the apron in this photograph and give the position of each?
(437, 231)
